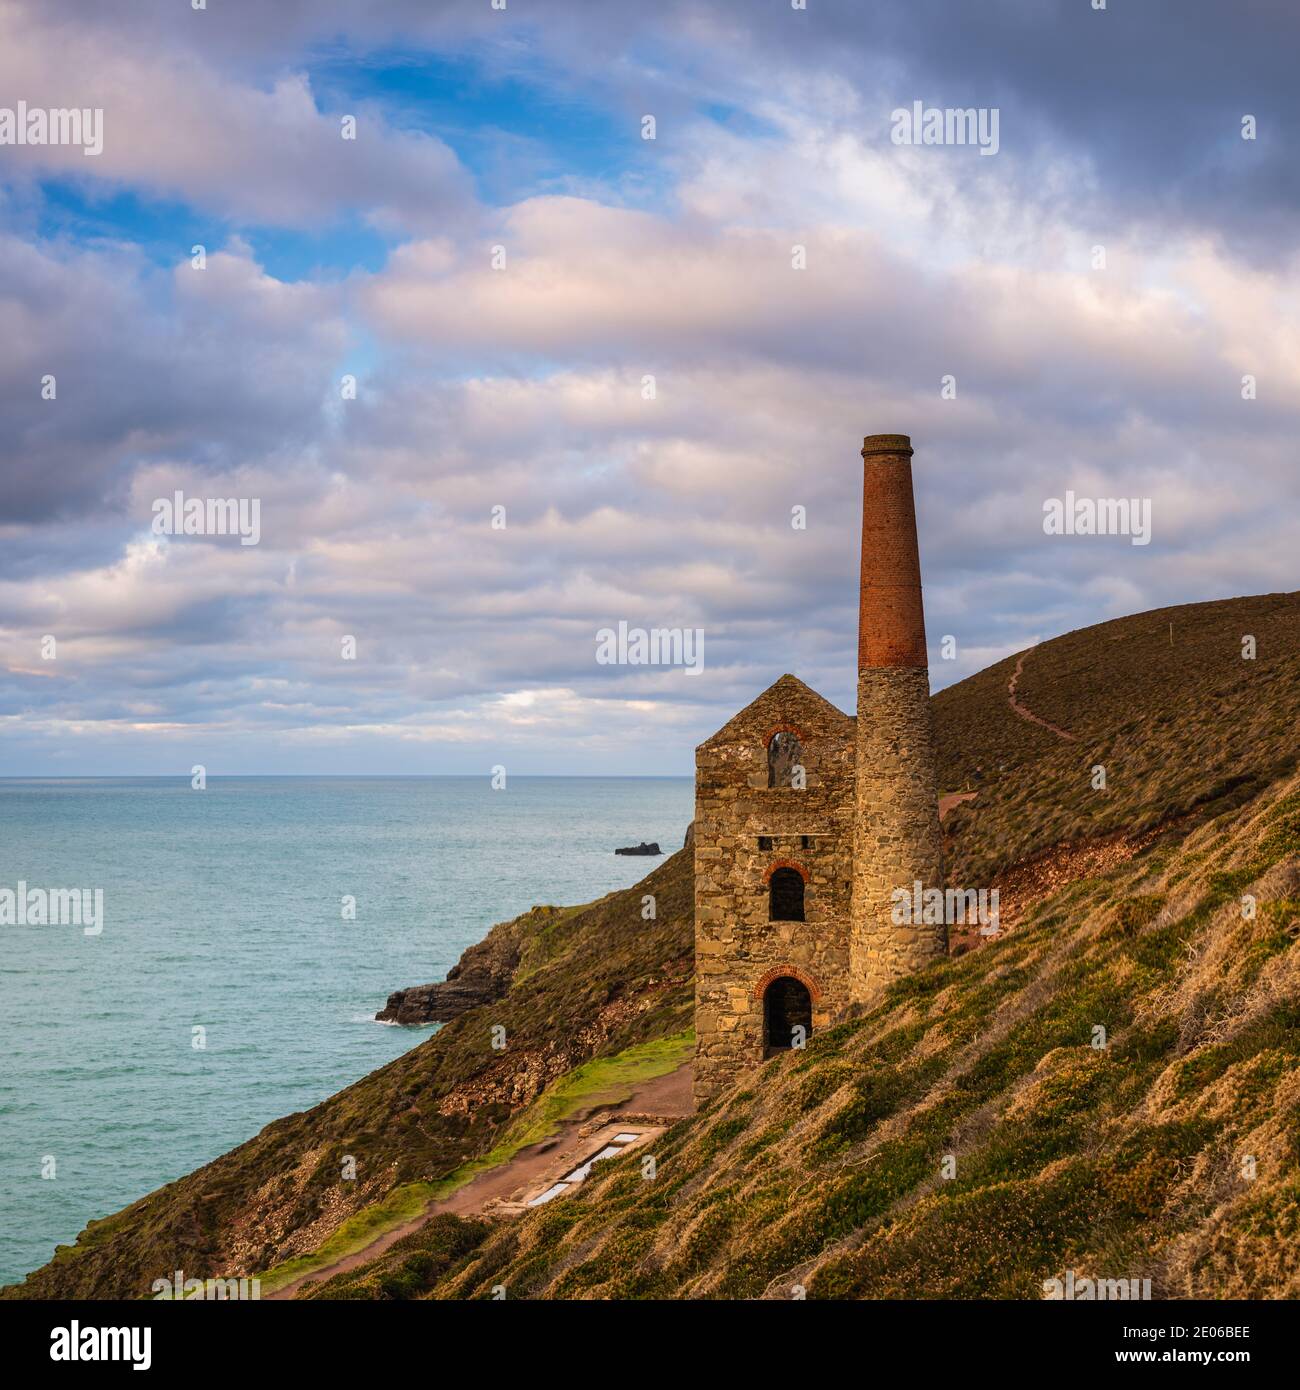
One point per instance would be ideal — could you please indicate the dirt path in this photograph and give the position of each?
(1028, 713)
(659, 1102)
(666, 1097)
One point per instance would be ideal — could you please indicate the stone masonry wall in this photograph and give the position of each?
(738, 950)
(898, 838)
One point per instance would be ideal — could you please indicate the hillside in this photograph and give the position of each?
(1122, 1161)
(1171, 1152)
(1184, 728)
(592, 982)
(824, 1168)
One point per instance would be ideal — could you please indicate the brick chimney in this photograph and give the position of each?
(896, 819)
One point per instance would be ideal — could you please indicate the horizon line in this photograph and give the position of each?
(342, 776)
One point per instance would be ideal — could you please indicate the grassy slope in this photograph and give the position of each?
(825, 1170)
(601, 1080)
(1182, 729)
(604, 1079)
(592, 982)
(1188, 733)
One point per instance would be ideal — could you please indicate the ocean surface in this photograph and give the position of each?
(223, 912)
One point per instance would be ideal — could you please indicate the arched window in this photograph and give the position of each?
(785, 896)
(787, 1005)
(784, 754)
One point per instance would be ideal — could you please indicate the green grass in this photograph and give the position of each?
(401, 1205)
(603, 1080)
(971, 1141)
(985, 1055)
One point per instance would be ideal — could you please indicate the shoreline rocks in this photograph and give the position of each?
(487, 969)
(481, 976)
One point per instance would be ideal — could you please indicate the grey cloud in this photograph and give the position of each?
(1146, 99)
(215, 367)
(670, 512)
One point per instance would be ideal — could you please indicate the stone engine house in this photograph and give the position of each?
(807, 819)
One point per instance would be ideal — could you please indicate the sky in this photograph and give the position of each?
(502, 372)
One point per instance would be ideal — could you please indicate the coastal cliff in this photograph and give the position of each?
(1112, 1090)
(1164, 910)
(590, 985)
(481, 976)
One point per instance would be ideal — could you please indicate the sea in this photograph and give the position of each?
(250, 931)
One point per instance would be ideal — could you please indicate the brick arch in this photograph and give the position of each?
(785, 864)
(796, 973)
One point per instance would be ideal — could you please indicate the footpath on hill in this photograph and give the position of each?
(1026, 713)
(652, 1105)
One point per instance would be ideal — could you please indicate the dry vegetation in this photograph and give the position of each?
(1187, 729)
(1128, 1160)
(591, 982)
(825, 1169)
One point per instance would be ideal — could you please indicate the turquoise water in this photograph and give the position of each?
(222, 910)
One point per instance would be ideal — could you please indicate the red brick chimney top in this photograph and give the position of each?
(891, 626)
(896, 444)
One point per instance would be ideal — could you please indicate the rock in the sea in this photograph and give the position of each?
(433, 1003)
(690, 836)
(642, 848)
(481, 976)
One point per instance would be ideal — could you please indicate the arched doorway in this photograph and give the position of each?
(787, 1005)
(785, 896)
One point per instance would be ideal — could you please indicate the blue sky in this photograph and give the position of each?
(519, 384)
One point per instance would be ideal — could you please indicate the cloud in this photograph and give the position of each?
(524, 388)
(176, 127)
(1143, 102)
(218, 366)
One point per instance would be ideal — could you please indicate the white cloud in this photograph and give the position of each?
(522, 388)
(175, 126)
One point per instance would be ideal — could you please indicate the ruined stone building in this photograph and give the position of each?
(807, 819)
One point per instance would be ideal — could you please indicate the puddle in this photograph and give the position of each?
(571, 1180)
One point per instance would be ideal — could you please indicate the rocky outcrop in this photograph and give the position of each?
(481, 976)
(439, 1002)
(642, 848)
